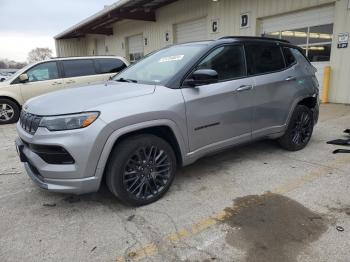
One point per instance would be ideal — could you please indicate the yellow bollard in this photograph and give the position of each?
(326, 80)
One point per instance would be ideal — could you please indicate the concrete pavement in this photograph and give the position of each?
(252, 203)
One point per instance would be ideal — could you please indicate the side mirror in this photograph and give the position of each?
(23, 78)
(2, 79)
(202, 77)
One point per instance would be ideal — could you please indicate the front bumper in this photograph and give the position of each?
(84, 145)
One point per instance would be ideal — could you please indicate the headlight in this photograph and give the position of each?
(68, 122)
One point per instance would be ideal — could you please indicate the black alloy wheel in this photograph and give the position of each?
(300, 129)
(147, 172)
(141, 169)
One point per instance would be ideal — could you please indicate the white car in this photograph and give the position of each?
(51, 75)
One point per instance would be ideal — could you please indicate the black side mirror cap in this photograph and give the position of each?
(202, 77)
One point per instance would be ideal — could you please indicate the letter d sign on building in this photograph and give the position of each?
(245, 21)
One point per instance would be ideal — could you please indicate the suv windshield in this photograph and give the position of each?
(159, 67)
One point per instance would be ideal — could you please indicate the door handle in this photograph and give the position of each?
(291, 78)
(244, 88)
(70, 82)
(56, 83)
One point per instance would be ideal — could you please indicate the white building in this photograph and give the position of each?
(133, 28)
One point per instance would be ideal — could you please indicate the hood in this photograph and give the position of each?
(80, 99)
(4, 83)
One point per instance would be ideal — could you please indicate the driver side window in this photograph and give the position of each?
(227, 61)
(43, 72)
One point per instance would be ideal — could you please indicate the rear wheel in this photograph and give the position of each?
(141, 169)
(299, 130)
(9, 111)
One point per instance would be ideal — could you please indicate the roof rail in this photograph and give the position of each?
(255, 38)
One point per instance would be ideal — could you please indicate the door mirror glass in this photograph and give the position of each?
(202, 77)
(23, 78)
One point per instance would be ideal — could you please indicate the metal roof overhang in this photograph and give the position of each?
(100, 23)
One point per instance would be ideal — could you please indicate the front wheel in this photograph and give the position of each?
(299, 130)
(141, 169)
(9, 112)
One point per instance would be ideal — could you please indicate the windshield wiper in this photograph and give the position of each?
(126, 80)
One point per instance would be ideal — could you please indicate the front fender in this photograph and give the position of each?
(12, 95)
(112, 139)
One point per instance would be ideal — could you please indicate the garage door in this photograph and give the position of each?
(101, 46)
(194, 30)
(135, 48)
(312, 17)
(312, 30)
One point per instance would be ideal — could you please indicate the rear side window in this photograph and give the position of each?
(110, 65)
(300, 55)
(288, 56)
(227, 61)
(264, 58)
(74, 68)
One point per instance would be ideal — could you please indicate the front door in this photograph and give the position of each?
(42, 78)
(219, 113)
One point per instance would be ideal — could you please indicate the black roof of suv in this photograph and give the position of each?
(255, 38)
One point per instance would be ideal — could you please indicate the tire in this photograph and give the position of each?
(9, 111)
(131, 174)
(299, 129)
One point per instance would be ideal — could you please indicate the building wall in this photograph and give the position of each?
(155, 31)
(71, 47)
(228, 12)
(340, 58)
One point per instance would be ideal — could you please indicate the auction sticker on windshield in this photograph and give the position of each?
(171, 58)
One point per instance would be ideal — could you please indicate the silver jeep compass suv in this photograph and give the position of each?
(171, 108)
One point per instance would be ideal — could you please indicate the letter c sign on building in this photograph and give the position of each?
(215, 26)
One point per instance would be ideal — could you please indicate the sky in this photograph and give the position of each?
(27, 24)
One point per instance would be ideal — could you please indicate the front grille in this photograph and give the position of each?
(29, 122)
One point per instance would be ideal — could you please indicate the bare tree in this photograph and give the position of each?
(3, 65)
(20, 65)
(39, 54)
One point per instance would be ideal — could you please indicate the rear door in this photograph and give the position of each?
(275, 86)
(218, 113)
(80, 72)
(42, 78)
